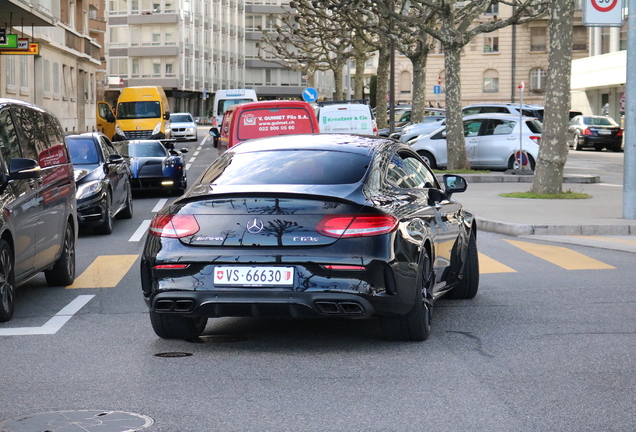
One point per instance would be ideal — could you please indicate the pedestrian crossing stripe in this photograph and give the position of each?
(105, 272)
(489, 265)
(561, 256)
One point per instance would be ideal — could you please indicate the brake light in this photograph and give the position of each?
(375, 128)
(588, 132)
(619, 133)
(536, 138)
(173, 226)
(341, 226)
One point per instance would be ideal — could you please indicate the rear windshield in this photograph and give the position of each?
(181, 118)
(264, 122)
(319, 167)
(599, 121)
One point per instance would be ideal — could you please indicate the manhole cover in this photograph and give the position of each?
(218, 339)
(78, 421)
(173, 354)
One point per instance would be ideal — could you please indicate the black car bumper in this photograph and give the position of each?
(91, 211)
(606, 142)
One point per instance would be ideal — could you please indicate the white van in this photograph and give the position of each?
(346, 117)
(223, 99)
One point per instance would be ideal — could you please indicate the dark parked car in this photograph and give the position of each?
(103, 184)
(155, 165)
(38, 230)
(329, 225)
(597, 132)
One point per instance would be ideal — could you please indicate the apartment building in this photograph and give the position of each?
(189, 47)
(62, 77)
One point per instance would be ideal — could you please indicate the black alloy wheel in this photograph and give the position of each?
(63, 271)
(177, 326)
(7, 282)
(107, 225)
(416, 324)
(469, 285)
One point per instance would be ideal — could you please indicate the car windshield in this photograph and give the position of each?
(151, 149)
(138, 110)
(318, 167)
(535, 126)
(83, 151)
(181, 118)
(599, 121)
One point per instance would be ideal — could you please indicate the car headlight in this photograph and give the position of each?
(88, 189)
(157, 129)
(118, 130)
(190, 129)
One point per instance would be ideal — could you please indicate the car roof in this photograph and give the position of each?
(181, 113)
(497, 116)
(361, 144)
(512, 105)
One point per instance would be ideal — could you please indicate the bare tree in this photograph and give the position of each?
(548, 176)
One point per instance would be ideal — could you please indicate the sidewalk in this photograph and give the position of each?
(556, 220)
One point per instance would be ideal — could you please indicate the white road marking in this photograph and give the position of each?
(188, 166)
(610, 184)
(54, 324)
(195, 154)
(162, 202)
(139, 234)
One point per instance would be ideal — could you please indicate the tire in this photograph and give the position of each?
(176, 326)
(7, 282)
(107, 226)
(469, 285)
(127, 211)
(617, 148)
(428, 158)
(63, 271)
(512, 162)
(577, 145)
(416, 324)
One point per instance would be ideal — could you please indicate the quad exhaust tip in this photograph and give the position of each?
(339, 307)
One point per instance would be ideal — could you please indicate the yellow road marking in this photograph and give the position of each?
(560, 256)
(105, 272)
(608, 239)
(489, 265)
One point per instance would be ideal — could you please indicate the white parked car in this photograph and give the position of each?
(183, 126)
(430, 124)
(492, 142)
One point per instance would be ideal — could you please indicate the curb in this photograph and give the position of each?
(518, 230)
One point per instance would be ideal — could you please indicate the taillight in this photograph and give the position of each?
(173, 226)
(364, 225)
(619, 133)
(588, 132)
(536, 138)
(375, 128)
(344, 267)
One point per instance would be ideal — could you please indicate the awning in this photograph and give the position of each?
(17, 13)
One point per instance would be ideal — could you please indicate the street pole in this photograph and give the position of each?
(520, 160)
(629, 157)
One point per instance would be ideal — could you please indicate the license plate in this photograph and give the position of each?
(604, 132)
(254, 276)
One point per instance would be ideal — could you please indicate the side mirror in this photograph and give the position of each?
(115, 158)
(166, 115)
(454, 184)
(214, 132)
(22, 168)
(184, 150)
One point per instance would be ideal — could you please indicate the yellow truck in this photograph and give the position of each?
(141, 113)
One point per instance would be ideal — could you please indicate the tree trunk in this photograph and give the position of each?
(338, 81)
(455, 144)
(548, 176)
(382, 89)
(359, 82)
(419, 87)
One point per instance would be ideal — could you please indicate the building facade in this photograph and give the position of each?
(189, 47)
(63, 76)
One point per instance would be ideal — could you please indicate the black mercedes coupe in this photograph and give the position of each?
(307, 226)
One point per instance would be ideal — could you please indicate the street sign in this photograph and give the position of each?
(11, 41)
(522, 85)
(310, 94)
(205, 94)
(3, 36)
(34, 49)
(437, 89)
(603, 13)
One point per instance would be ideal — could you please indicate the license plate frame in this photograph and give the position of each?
(254, 276)
(604, 132)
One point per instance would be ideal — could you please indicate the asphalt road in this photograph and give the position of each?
(547, 344)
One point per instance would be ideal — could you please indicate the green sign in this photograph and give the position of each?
(12, 41)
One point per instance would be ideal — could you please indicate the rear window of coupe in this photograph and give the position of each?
(304, 167)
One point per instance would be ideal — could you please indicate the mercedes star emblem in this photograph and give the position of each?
(254, 226)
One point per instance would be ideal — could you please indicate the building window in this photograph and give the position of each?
(491, 81)
(46, 77)
(118, 67)
(579, 38)
(24, 73)
(119, 36)
(10, 65)
(538, 80)
(538, 39)
(491, 43)
(118, 7)
(493, 9)
(405, 82)
(56, 79)
(170, 68)
(270, 77)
